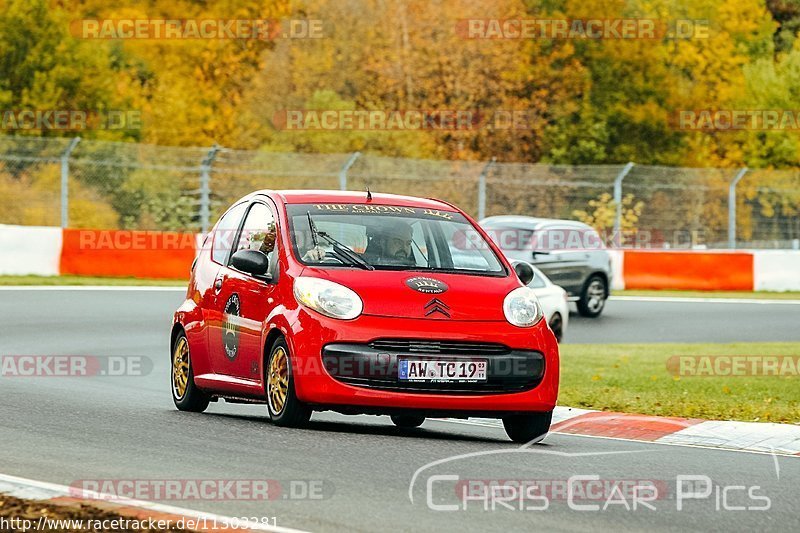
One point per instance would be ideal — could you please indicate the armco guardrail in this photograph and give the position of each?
(168, 255)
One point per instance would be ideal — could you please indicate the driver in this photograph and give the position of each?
(391, 245)
(388, 245)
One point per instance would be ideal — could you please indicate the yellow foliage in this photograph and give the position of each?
(603, 210)
(34, 199)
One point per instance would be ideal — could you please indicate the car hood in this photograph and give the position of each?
(434, 296)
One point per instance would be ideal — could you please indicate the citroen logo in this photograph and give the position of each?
(437, 306)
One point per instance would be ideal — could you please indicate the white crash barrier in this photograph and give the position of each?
(776, 270)
(617, 264)
(30, 250)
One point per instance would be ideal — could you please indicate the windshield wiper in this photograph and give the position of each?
(341, 250)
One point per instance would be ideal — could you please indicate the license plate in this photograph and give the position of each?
(442, 371)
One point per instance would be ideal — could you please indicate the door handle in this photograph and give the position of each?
(218, 284)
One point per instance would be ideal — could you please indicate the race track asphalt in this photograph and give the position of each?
(642, 320)
(63, 430)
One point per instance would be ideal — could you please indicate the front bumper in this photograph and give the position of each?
(522, 379)
(365, 365)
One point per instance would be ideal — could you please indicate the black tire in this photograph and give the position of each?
(593, 297)
(192, 399)
(557, 325)
(291, 412)
(408, 421)
(525, 428)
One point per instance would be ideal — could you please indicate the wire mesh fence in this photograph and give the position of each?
(108, 185)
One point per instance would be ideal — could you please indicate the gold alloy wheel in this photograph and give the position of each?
(278, 380)
(180, 368)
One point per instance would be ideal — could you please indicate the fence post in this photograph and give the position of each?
(732, 207)
(482, 188)
(205, 188)
(618, 201)
(343, 172)
(65, 181)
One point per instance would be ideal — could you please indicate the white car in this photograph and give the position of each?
(554, 299)
(554, 302)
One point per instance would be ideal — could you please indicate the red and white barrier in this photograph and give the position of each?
(168, 255)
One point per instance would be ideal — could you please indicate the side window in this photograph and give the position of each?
(464, 251)
(224, 234)
(258, 231)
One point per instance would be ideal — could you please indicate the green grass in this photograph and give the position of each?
(634, 378)
(87, 280)
(788, 295)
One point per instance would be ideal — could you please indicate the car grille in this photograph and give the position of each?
(375, 365)
(429, 347)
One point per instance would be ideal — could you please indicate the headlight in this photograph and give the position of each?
(328, 298)
(522, 308)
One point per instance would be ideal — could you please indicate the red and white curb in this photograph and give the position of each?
(760, 437)
(52, 493)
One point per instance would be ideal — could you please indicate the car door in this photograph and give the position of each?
(243, 302)
(565, 260)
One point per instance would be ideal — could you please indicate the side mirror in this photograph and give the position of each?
(251, 262)
(524, 271)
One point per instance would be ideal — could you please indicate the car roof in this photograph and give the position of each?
(352, 197)
(530, 222)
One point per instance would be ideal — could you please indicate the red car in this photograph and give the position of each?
(362, 304)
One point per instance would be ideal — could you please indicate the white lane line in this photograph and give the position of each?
(677, 299)
(92, 288)
(20, 487)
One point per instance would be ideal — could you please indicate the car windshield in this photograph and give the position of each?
(387, 237)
